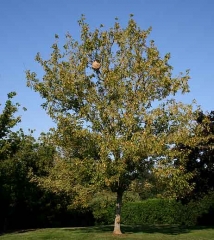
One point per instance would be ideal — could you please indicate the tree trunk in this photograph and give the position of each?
(5, 224)
(118, 211)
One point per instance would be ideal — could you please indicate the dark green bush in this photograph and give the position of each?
(152, 211)
(162, 211)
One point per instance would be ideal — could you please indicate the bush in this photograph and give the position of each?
(103, 205)
(152, 211)
(162, 211)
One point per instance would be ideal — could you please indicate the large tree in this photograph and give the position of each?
(111, 95)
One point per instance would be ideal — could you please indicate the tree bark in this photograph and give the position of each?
(118, 212)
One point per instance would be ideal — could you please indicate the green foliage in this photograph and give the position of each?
(7, 118)
(111, 95)
(161, 211)
(154, 211)
(200, 159)
(103, 203)
(17, 194)
(100, 205)
(124, 105)
(19, 154)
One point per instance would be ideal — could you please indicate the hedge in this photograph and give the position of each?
(161, 211)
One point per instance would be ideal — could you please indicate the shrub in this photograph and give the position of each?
(161, 211)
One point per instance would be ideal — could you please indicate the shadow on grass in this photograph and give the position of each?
(164, 229)
(126, 229)
(18, 231)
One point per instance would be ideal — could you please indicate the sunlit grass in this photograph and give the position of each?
(105, 233)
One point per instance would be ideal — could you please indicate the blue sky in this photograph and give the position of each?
(183, 28)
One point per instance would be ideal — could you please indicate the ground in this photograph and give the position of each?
(105, 233)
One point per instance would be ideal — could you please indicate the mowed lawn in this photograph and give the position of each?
(105, 233)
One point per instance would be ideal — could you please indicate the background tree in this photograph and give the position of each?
(200, 161)
(7, 118)
(113, 88)
(7, 146)
(22, 203)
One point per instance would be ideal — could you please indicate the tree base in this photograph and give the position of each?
(117, 230)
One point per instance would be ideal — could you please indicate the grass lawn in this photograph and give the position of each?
(105, 233)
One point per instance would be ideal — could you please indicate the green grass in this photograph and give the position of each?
(105, 233)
